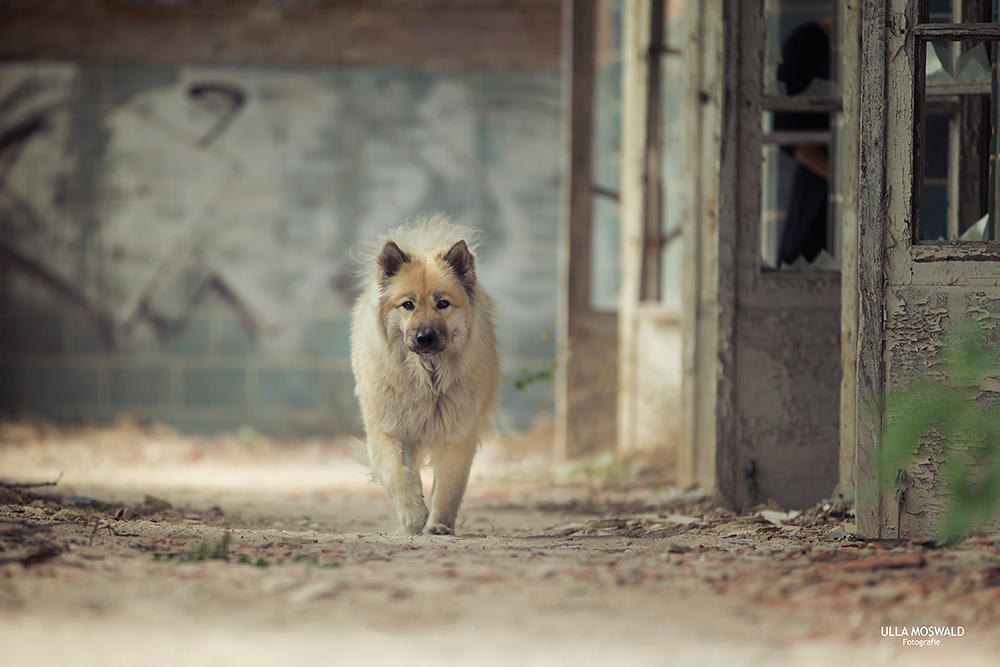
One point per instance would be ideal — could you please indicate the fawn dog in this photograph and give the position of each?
(426, 370)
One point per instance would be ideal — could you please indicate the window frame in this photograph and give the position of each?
(937, 250)
(771, 103)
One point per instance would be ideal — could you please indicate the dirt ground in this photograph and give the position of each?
(158, 548)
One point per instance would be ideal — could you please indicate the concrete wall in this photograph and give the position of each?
(175, 239)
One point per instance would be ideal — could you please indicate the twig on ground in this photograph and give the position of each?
(103, 525)
(30, 485)
(118, 533)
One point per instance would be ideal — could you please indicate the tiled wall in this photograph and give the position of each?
(175, 241)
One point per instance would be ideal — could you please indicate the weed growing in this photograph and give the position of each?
(220, 550)
(208, 551)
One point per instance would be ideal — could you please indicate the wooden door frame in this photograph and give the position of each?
(702, 319)
(872, 220)
(586, 340)
(747, 292)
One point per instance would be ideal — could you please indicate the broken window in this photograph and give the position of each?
(957, 116)
(801, 104)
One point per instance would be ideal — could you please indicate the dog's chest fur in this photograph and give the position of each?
(432, 408)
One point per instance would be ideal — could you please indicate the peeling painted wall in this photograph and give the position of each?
(912, 295)
(921, 320)
(176, 240)
(788, 388)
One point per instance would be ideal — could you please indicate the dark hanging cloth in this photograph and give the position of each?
(805, 56)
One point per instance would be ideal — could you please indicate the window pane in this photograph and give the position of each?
(941, 11)
(605, 271)
(958, 106)
(802, 65)
(673, 204)
(936, 149)
(796, 205)
(960, 11)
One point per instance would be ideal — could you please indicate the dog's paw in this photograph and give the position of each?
(440, 529)
(414, 517)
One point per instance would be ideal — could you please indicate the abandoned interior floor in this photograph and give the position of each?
(158, 548)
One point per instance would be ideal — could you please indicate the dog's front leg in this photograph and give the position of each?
(451, 475)
(398, 474)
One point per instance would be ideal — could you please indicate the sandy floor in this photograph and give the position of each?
(157, 548)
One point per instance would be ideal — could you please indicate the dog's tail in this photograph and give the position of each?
(359, 452)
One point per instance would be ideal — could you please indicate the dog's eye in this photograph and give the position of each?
(408, 305)
(442, 304)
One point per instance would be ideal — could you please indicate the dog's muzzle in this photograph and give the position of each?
(426, 341)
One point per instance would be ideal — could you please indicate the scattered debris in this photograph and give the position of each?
(41, 554)
(9, 496)
(153, 504)
(874, 563)
(68, 515)
(837, 533)
(568, 529)
(313, 591)
(112, 531)
(567, 543)
(681, 519)
(776, 517)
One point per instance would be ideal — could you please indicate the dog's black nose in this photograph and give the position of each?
(426, 338)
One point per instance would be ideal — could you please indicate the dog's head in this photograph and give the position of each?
(429, 298)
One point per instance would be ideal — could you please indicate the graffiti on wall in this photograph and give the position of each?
(151, 200)
(253, 184)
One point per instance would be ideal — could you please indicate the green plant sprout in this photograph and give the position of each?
(208, 551)
(527, 377)
(547, 371)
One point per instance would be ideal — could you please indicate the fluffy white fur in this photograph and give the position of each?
(420, 407)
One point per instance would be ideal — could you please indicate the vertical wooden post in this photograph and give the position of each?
(993, 192)
(871, 270)
(701, 315)
(652, 206)
(728, 477)
(848, 172)
(586, 343)
(635, 93)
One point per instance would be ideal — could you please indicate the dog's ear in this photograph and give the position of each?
(390, 260)
(463, 263)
